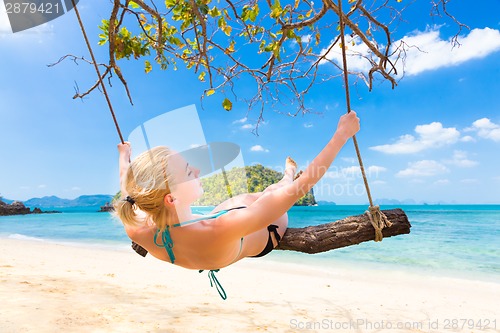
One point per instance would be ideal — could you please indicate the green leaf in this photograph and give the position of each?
(227, 30)
(254, 13)
(276, 9)
(214, 12)
(227, 104)
(133, 5)
(147, 66)
(290, 33)
(230, 48)
(221, 23)
(170, 3)
(317, 37)
(210, 92)
(201, 77)
(250, 13)
(245, 14)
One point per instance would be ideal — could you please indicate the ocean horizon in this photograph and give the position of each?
(450, 240)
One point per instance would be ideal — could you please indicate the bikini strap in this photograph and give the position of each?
(167, 242)
(206, 217)
(274, 229)
(214, 281)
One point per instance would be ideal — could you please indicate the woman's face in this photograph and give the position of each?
(185, 185)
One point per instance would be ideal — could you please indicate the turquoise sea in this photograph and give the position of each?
(452, 240)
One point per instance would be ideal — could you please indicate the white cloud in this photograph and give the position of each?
(439, 53)
(308, 125)
(460, 159)
(375, 169)
(75, 188)
(352, 170)
(467, 138)
(247, 126)
(259, 148)
(441, 182)
(428, 136)
(305, 39)
(430, 51)
(42, 186)
(486, 129)
(6, 30)
(469, 181)
(4, 21)
(423, 168)
(356, 53)
(240, 121)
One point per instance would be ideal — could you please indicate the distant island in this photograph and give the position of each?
(34, 205)
(81, 201)
(326, 203)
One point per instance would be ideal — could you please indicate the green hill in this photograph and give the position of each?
(249, 179)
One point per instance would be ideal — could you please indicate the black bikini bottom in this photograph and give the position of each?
(270, 246)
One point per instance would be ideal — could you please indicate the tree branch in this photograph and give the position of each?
(349, 231)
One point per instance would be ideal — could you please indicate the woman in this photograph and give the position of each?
(159, 186)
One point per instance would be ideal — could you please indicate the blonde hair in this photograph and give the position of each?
(147, 185)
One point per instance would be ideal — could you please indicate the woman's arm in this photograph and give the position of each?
(125, 152)
(271, 205)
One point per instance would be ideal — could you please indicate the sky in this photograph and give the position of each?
(435, 138)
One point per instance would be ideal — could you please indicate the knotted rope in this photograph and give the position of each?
(377, 218)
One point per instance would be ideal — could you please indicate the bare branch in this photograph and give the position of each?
(440, 5)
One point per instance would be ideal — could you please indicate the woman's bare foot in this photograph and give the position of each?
(290, 167)
(288, 175)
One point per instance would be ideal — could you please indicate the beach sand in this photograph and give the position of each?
(48, 287)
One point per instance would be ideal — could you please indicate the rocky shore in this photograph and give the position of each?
(18, 208)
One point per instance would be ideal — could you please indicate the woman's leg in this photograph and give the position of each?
(246, 199)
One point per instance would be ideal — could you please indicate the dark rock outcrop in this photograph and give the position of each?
(106, 208)
(18, 208)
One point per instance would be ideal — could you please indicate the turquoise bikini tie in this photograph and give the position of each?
(167, 242)
(214, 281)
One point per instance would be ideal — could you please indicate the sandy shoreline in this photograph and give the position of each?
(53, 288)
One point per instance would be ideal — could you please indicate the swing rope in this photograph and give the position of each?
(101, 83)
(377, 218)
(137, 248)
